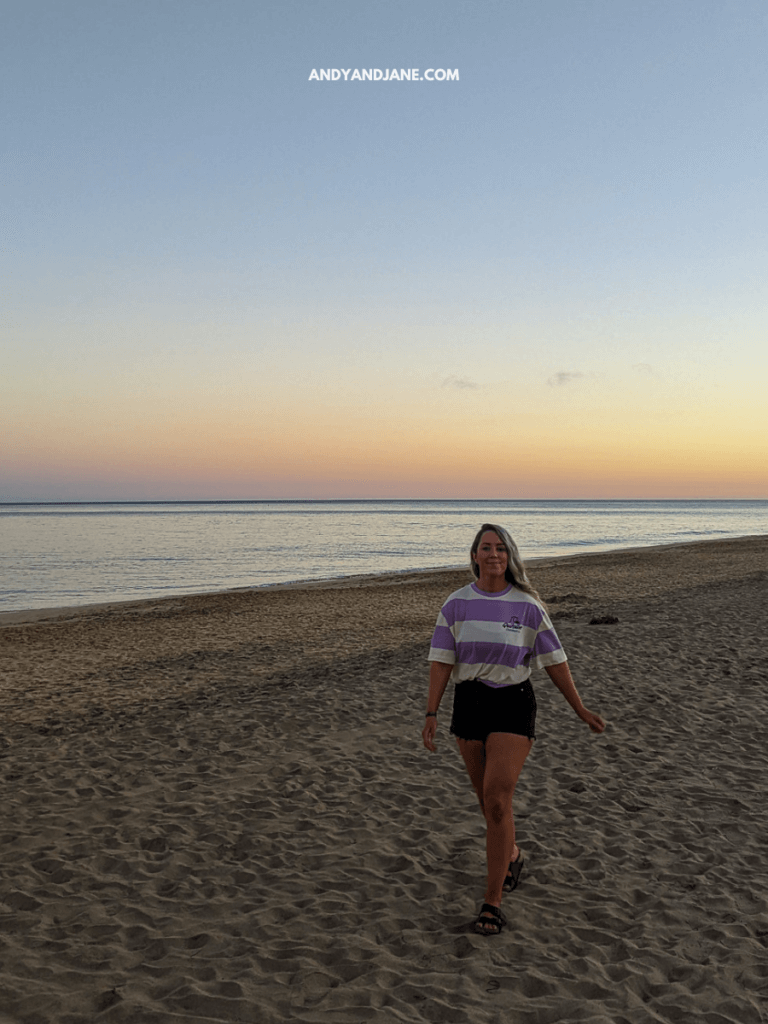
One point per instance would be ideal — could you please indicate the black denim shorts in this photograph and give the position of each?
(479, 710)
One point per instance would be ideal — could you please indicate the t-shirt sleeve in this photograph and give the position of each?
(547, 649)
(443, 646)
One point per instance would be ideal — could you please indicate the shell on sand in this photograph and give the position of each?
(218, 808)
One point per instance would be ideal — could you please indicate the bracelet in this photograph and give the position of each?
(431, 714)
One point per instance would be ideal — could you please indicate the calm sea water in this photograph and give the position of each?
(70, 554)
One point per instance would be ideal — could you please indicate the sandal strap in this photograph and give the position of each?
(490, 917)
(514, 871)
(488, 908)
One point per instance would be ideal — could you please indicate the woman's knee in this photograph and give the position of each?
(497, 806)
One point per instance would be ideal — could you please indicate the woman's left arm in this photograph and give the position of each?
(561, 677)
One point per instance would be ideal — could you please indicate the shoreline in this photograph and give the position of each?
(25, 616)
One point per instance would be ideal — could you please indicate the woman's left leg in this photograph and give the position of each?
(505, 755)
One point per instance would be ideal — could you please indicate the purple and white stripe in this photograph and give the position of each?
(498, 638)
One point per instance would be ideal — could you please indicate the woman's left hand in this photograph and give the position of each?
(428, 733)
(595, 722)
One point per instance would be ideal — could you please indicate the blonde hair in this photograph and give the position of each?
(515, 572)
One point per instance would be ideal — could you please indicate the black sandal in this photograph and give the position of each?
(490, 920)
(513, 873)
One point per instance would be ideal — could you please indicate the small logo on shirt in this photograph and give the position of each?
(514, 623)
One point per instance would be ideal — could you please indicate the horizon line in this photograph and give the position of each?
(368, 500)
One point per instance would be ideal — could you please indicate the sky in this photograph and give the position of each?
(545, 276)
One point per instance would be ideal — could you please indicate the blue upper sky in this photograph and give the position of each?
(178, 188)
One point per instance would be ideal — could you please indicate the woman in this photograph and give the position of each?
(489, 636)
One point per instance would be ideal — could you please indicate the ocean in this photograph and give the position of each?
(84, 553)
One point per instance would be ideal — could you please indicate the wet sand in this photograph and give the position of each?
(218, 808)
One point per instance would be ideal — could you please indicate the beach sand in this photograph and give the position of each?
(218, 808)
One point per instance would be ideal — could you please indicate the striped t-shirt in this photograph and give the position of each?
(499, 638)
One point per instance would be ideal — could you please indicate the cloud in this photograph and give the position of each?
(645, 369)
(564, 377)
(460, 383)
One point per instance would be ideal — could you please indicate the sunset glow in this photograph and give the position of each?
(543, 279)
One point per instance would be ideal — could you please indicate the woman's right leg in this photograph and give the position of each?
(493, 768)
(473, 753)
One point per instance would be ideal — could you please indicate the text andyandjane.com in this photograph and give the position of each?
(390, 75)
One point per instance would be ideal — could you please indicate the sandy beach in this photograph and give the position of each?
(218, 808)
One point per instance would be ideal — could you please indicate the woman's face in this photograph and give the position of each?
(491, 555)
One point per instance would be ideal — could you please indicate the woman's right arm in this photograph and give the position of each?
(439, 674)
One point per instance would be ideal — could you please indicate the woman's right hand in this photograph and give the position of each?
(428, 733)
(439, 674)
